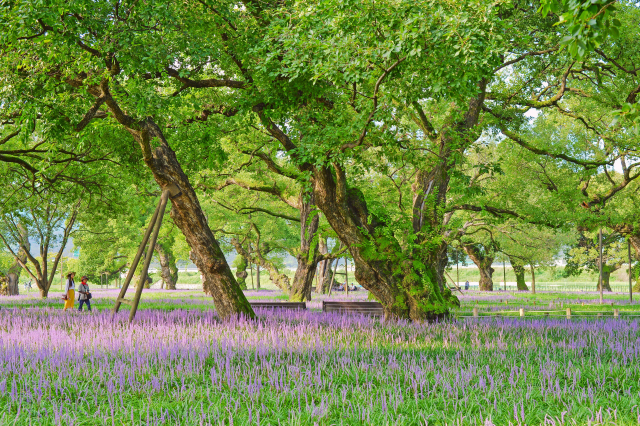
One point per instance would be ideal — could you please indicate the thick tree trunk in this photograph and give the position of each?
(168, 268)
(483, 261)
(218, 280)
(409, 283)
(606, 279)
(307, 255)
(519, 272)
(186, 212)
(418, 295)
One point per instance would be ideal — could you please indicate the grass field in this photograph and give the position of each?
(547, 279)
(178, 365)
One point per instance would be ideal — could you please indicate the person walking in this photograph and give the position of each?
(85, 294)
(466, 285)
(69, 291)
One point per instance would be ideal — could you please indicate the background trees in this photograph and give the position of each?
(399, 128)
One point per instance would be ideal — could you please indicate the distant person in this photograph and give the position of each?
(69, 291)
(466, 285)
(85, 294)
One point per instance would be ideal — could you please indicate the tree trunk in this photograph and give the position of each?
(279, 279)
(408, 281)
(606, 278)
(257, 276)
(520, 282)
(168, 268)
(13, 275)
(241, 271)
(186, 212)
(324, 268)
(606, 275)
(307, 255)
(533, 279)
(483, 261)
(380, 264)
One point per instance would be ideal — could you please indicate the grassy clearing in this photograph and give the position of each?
(303, 368)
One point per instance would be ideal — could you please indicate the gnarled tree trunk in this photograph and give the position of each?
(186, 212)
(418, 295)
(168, 268)
(409, 283)
(307, 255)
(483, 261)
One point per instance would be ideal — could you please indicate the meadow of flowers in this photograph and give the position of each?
(185, 367)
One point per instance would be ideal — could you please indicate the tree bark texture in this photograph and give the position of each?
(394, 276)
(483, 261)
(168, 268)
(186, 212)
(403, 295)
(307, 255)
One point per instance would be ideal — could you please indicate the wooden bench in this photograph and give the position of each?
(367, 308)
(279, 305)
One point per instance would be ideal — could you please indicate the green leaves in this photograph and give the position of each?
(587, 22)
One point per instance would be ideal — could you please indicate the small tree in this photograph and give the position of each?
(50, 224)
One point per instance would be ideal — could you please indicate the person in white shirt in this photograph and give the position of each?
(69, 291)
(83, 289)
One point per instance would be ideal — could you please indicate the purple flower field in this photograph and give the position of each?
(184, 367)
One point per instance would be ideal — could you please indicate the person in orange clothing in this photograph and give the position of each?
(70, 291)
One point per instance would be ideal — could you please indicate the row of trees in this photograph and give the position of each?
(395, 129)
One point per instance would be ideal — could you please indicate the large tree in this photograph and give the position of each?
(72, 63)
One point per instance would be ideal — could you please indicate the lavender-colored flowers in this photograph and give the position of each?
(296, 367)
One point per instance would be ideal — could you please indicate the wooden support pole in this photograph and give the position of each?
(522, 312)
(630, 288)
(600, 279)
(504, 274)
(457, 270)
(253, 287)
(147, 260)
(616, 313)
(568, 313)
(333, 277)
(475, 311)
(346, 276)
(136, 260)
